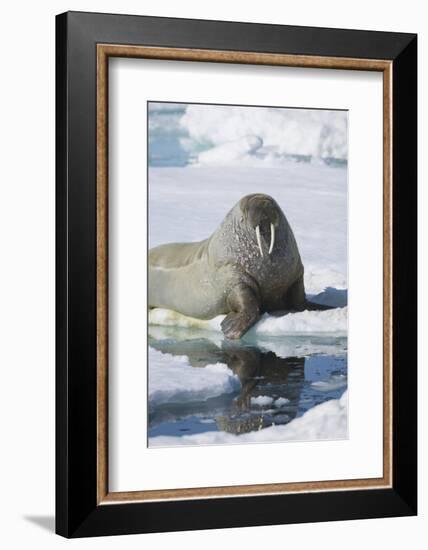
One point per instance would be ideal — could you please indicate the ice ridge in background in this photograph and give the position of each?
(215, 135)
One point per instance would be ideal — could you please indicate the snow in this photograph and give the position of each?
(320, 322)
(172, 379)
(331, 321)
(328, 421)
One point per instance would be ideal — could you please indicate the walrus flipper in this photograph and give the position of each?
(244, 307)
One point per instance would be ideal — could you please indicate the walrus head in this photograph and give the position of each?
(262, 215)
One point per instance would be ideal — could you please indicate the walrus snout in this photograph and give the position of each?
(262, 214)
(259, 208)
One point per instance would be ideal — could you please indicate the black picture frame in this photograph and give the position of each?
(78, 513)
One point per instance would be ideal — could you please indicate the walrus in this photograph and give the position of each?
(249, 265)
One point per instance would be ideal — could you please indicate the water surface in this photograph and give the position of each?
(276, 386)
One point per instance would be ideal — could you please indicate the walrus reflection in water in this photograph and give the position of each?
(260, 373)
(249, 265)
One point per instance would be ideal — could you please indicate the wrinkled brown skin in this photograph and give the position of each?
(226, 274)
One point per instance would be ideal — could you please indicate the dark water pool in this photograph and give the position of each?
(280, 379)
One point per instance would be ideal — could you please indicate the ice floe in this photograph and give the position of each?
(171, 379)
(330, 321)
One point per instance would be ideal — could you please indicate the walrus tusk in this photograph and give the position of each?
(259, 242)
(272, 237)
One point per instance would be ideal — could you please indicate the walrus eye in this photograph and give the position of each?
(259, 242)
(272, 237)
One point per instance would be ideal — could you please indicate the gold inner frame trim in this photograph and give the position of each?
(104, 51)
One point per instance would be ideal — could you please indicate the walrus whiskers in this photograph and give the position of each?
(259, 242)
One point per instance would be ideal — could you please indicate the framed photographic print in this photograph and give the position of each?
(236, 274)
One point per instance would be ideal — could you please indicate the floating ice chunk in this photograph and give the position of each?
(281, 401)
(335, 382)
(261, 401)
(172, 379)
